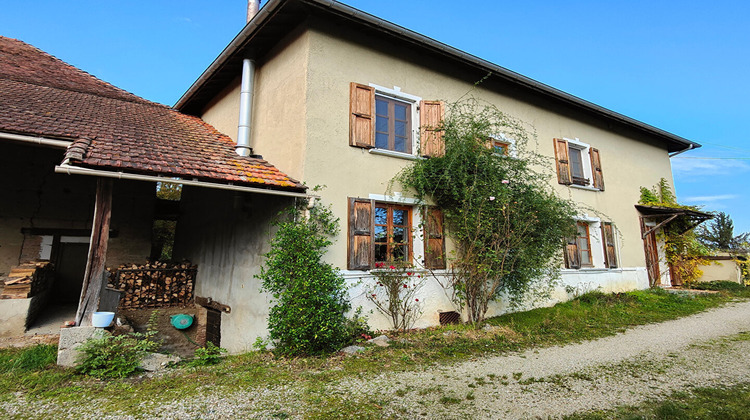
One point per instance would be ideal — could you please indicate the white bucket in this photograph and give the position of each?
(102, 319)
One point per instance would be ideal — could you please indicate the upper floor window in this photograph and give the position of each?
(578, 164)
(386, 120)
(393, 124)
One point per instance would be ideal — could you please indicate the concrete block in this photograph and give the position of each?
(71, 339)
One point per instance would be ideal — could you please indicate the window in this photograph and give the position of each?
(384, 120)
(392, 124)
(392, 233)
(578, 164)
(382, 232)
(592, 246)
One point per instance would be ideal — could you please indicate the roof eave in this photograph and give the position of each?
(675, 143)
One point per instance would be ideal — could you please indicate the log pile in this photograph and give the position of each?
(27, 280)
(155, 284)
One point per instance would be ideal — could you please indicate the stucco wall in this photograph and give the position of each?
(226, 235)
(726, 270)
(278, 130)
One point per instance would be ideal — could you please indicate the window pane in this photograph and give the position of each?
(398, 235)
(381, 140)
(399, 217)
(400, 144)
(576, 164)
(400, 128)
(381, 107)
(585, 258)
(400, 253)
(381, 124)
(381, 252)
(583, 244)
(381, 215)
(381, 234)
(401, 111)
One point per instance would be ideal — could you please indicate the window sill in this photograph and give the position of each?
(391, 153)
(584, 187)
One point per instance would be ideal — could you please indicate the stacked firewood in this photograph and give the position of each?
(154, 284)
(27, 280)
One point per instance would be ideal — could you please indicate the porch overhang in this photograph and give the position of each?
(666, 215)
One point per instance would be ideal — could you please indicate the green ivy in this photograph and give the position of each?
(500, 210)
(309, 296)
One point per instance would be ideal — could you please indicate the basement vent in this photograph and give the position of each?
(451, 317)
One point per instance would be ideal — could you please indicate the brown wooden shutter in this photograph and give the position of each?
(596, 168)
(608, 239)
(361, 249)
(572, 258)
(434, 238)
(361, 115)
(563, 162)
(431, 136)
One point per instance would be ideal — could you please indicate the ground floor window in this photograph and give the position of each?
(392, 239)
(593, 246)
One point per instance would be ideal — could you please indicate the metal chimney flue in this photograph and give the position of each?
(252, 9)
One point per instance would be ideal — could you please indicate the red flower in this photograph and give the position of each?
(392, 267)
(373, 295)
(408, 273)
(416, 300)
(405, 286)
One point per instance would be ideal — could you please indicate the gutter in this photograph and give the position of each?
(690, 147)
(42, 141)
(75, 170)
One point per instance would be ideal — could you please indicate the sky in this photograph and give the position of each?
(681, 66)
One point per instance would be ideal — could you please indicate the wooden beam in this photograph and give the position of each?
(662, 223)
(93, 280)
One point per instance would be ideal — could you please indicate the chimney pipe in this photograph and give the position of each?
(252, 9)
(244, 147)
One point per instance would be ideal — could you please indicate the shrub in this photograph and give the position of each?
(309, 295)
(115, 356)
(208, 355)
(719, 285)
(394, 294)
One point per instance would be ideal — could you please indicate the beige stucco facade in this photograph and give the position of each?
(301, 125)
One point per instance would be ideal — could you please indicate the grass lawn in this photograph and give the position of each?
(593, 315)
(698, 404)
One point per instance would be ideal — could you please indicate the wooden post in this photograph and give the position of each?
(93, 280)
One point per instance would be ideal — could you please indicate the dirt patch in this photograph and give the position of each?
(180, 342)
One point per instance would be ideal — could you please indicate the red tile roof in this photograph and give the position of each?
(115, 130)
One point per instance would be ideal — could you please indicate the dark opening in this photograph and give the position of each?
(213, 326)
(451, 317)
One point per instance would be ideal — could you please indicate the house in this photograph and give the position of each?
(336, 97)
(79, 162)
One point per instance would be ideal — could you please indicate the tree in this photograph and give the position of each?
(500, 210)
(309, 296)
(719, 234)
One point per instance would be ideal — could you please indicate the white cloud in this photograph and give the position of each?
(710, 198)
(708, 167)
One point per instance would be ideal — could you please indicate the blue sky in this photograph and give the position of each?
(681, 66)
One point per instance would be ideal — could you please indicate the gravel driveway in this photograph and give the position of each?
(707, 349)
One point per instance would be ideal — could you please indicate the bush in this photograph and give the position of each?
(719, 285)
(309, 295)
(115, 356)
(208, 355)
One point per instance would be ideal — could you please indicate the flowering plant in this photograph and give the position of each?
(394, 293)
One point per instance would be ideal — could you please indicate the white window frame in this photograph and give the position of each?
(396, 94)
(588, 171)
(596, 243)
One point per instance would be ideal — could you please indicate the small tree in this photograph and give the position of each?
(719, 234)
(308, 316)
(505, 220)
(395, 292)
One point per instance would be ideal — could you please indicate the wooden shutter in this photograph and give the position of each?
(361, 115)
(572, 258)
(434, 238)
(563, 162)
(596, 168)
(608, 239)
(361, 249)
(430, 135)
